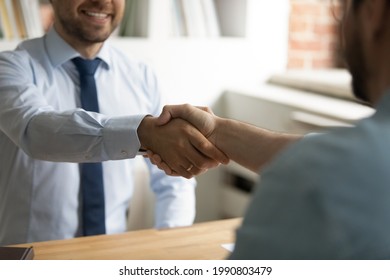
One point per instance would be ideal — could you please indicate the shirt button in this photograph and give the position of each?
(124, 153)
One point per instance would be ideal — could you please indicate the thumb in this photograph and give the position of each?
(170, 112)
(164, 117)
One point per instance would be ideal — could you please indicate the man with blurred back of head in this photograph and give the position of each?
(322, 196)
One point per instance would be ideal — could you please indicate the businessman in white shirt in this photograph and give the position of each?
(47, 134)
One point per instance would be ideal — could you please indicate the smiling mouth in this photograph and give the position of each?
(97, 15)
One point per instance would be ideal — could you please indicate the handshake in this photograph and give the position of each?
(187, 141)
(182, 141)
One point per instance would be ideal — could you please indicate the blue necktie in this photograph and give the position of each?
(92, 189)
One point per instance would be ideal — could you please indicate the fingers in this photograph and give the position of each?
(209, 151)
(156, 160)
(170, 112)
(188, 173)
(165, 116)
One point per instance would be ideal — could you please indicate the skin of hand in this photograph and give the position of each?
(180, 145)
(201, 117)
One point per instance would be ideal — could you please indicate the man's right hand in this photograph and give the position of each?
(178, 144)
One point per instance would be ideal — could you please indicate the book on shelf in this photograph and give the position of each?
(13, 32)
(32, 18)
(126, 26)
(21, 27)
(16, 253)
(211, 18)
(1, 29)
(135, 19)
(179, 20)
(195, 18)
(160, 19)
(20, 19)
(5, 20)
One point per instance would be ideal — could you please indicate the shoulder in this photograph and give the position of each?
(26, 54)
(15, 63)
(324, 197)
(342, 151)
(126, 63)
(126, 60)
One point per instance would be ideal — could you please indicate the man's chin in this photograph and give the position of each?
(96, 35)
(97, 38)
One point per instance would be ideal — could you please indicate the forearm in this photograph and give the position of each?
(79, 136)
(248, 145)
(46, 126)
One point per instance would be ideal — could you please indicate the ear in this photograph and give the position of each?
(377, 14)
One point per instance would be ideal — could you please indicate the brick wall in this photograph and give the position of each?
(313, 35)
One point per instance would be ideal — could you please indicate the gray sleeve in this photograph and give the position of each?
(308, 205)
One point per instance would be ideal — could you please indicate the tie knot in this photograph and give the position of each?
(86, 66)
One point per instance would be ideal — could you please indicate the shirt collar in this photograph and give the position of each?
(60, 51)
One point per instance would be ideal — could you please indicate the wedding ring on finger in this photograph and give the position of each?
(189, 168)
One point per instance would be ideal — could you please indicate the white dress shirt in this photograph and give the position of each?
(44, 134)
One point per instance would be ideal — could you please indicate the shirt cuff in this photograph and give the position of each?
(121, 138)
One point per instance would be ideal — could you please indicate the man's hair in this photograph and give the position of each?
(356, 3)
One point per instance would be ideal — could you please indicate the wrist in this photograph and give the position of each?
(144, 132)
(217, 131)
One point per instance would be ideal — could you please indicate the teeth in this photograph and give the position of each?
(97, 15)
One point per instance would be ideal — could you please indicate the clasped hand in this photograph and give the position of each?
(186, 142)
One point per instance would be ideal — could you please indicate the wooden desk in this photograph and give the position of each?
(198, 242)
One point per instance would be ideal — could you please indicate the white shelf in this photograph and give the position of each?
(8, 45)
(333, 82)
(339, 109)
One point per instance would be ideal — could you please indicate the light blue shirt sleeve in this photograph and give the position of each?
(46, 133)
